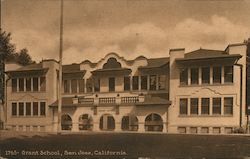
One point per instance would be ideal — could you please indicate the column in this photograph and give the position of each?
(222, 105)
(24, 84)
(199, 106)
(189, 76)
(222, 75)
(210, 106)
(85, 85)
(148, 82)
(131, 82)
(139, 82)
(157, 82)
(211, 75)
(38, 83)
(200, 76)
(188, 107)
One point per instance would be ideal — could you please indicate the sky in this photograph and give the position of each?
(94, 28)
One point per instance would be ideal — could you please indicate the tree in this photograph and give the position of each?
(24, 58)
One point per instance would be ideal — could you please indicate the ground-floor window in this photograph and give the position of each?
(107, 122)
(85, 122)
(129, 123)
(204, 130)
(181, 130)
(153, 122)
(66, 122)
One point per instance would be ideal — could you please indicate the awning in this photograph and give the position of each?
(112, 72)
(27, 73)
(73, 75)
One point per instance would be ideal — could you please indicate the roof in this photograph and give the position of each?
(112, 71)
(156, 62)
(71, 68)
(35, 66)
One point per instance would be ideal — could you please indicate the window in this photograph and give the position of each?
(182, 130)
(73, 86)
(194, 76)
(21, 84)
(162, 82)
(28, 84)
(126, 83)
(216, 130)
(81, 85)
(14, 84)
(204, 130)
(228, 105)
(42, 108)
(216, 74)
(152, 82)
(14, 109)
(205, 75)
(144, 82)
(205, 105)
(194, 106)
(21, 108)
(216, 105)
(66, 85)
(184, 76)
(135, 83)
(35, 84)
(111, 84)
(193, 130)
(183, 106)
(89, 85)
(97, 85)
(43, 83)
(228, 130)
(28, 108)
(228, 74)
(35, 108)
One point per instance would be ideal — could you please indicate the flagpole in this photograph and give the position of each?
(60, 71)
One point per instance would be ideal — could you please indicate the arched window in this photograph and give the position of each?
(85, 122)
(153, 122)
(129, 123)
(66, 122)
(107, 122)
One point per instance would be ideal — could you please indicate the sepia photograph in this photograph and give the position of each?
(124, 79)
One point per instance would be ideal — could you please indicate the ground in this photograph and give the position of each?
(123, 145)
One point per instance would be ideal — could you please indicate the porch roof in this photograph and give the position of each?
(112, 71)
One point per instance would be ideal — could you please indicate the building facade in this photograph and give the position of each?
(203, 91)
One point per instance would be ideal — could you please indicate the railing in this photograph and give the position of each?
(130, 99)
(86, 100)
(107, 100)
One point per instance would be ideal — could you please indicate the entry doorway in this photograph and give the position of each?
(107, 122)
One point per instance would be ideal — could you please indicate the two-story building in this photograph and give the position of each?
(203, 91)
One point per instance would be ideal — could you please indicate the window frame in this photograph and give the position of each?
(194, 106)
(183, 109)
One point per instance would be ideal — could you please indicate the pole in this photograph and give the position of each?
(60, 71)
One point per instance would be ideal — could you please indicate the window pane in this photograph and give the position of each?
(194, 106)
(216, 74)
(205, 75)
(14, 84)
(66, 86)
(126, 83)
(81, 85)
(97, 85)
(181, 129)
(28, 84)
(205, 106)
(74, 86)
(194, 76)
(42, 84)
(21, 109)
(162, 82)
(35, 108)
(216, 105)
(14, 109)
(228, 105)
(152, 82)
(28, 108)
(89, 85)
(193, 130)
(42, 108)
(228, 74)
(135, 82)
(183, 106)
(204, 130)
(111, 84)
(35, 84)
(216, 130)
(144, 82)
(21, 84)
(184, 76)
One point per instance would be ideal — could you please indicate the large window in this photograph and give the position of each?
(42, 83)
(89, 85)
(81, 85)
(228, 74)
(35, 84)
(183, 106)
(194, 75)
(205, 105)
(21, 109)
(135, 83)
(42, 108)
(73, 86)
(216, 74)
(228, 105)
(28, 108)
(194, 106)
(111, 84)
(21, 84)
(97, 85)
(66, 86)
(152, 82)
(184, 76)
(144, 82)
(35, 108)
(162, 82)
(126, 83)
(205, 75)
(28, 84)
(14, 84)
(14, 109)
(216, 105)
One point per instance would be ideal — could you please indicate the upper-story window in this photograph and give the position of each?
(28, 108)
(217, 74)
(73, 86)
(135, 84)
(97, 85)
(184, 76)
(144, 82)
(42, 108)
(35, 84)
(35, 108)
(21, 108)
(162, 79)
(14, 109)
(205, 77)
(89, 85)
(194, 75)
(183, 106)
(81, 85)
(216, 105)
(205, 105)
(194, 105)
(66, 86)
(126, 83)
(21, 84)
(111, 84)
(28, 84)
(14, 84)
(228, 105)
(152, 85)
(228, 74)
